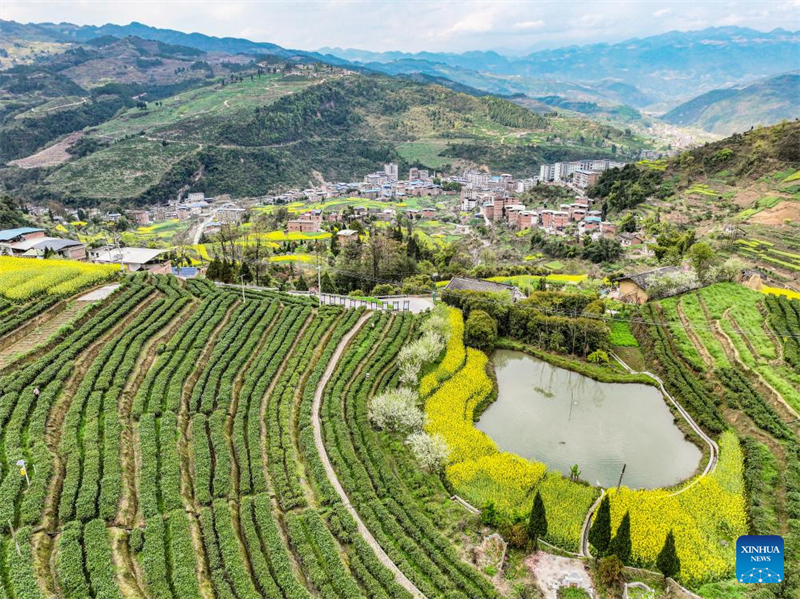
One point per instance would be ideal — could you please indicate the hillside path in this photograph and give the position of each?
(331, 473)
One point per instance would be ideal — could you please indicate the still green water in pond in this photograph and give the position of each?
(561, 418)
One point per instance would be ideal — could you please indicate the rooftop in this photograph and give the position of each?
(9, 234)
(128, 255)
(469, 284)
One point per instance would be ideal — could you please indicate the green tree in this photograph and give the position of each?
(600, 532)
(702, 258)
(334, 244)
(668, 562)
(481, 330)
(300, 284)
(541, 284)
(327, 284)
(621, 543)
(537, 522)
(245, 273)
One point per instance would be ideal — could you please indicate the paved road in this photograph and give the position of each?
(200, 228)
(331, 473)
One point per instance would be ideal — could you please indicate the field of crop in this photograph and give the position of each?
(730, 356)
(726, 327)
(760, 249)
(202, 101)
(171, 452)
(706, 518)
(477, 469)
(23, 279)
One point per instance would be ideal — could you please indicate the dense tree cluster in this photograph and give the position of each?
(551, 320)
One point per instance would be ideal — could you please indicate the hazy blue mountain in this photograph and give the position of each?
(674, 64)
(66, 32)
(732, 110)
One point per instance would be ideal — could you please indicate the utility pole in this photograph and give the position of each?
(119, 251)
(319, 274)
(621, 474)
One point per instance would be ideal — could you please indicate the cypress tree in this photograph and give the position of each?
(600, 532)
(327, 284)
(537, 523)
(668, 562)
(621, 543)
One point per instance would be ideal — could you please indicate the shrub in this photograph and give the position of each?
(598, 357)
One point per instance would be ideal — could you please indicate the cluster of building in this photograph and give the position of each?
(580, 173)
(380, 185)
(578, 216)
(30, 242)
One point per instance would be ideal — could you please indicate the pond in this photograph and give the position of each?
(561, 418)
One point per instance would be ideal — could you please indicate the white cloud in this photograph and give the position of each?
(528, 25)
(477, 22)
(516, 26)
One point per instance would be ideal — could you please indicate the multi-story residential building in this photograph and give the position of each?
(547, 172)
(413, 174)
(468, 204)
(583, 179)
(302, 225)
(390, 169)
(528, 219)
(230, 214)
(140, 217)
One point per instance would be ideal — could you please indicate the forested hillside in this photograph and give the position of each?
(257, 132)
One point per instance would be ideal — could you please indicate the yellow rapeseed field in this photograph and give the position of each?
(453, 357)
(706, 519)
(23, 278)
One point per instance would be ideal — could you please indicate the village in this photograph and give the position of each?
(473, 200)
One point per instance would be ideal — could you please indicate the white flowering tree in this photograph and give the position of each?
(396, 411)
(431, 451)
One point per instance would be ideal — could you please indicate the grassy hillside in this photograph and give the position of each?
(726, 111)
(269, 132)
(742, 193)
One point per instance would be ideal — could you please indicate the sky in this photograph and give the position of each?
(508, 26)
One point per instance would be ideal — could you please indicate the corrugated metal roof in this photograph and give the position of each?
(9, 234)
(128, 255)
(42, 243)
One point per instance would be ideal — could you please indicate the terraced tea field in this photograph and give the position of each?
(186, 443)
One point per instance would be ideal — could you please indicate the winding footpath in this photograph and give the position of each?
(331, 473)
(713, 450)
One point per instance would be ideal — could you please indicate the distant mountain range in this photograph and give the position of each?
(668, 67)
(726, 111)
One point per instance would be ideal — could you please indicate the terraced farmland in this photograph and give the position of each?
(185, 443)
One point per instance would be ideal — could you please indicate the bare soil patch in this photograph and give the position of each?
(50, 156)
(779, 213)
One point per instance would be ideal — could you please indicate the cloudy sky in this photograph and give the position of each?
(510, 26)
